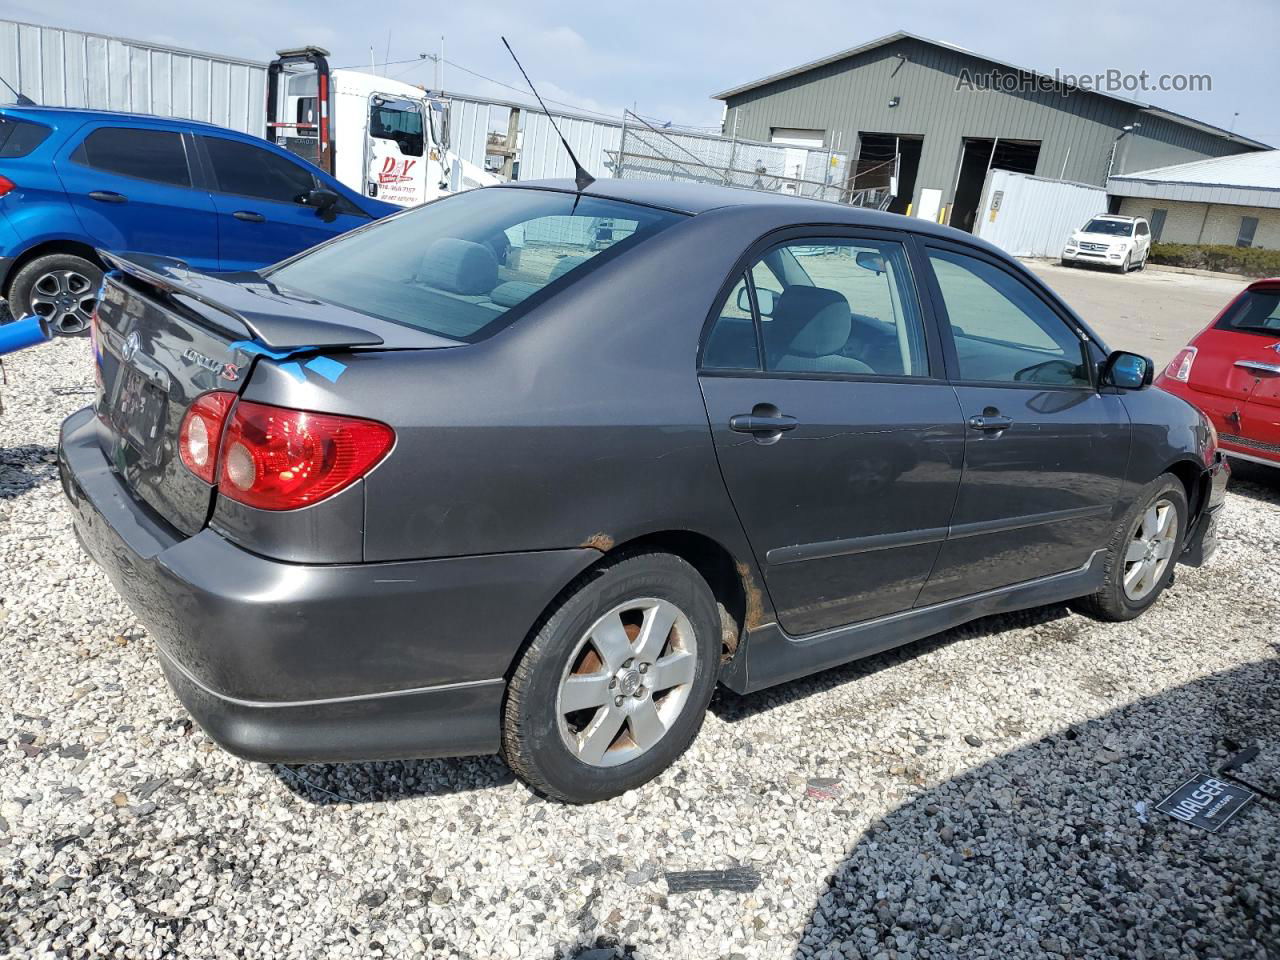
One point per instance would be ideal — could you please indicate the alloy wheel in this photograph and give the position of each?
(1150, 549)
(627, 681)
(66, 299)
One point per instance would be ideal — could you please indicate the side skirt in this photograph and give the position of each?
(770, 656)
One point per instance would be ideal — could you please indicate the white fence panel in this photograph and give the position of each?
(1032, 217)
(67, 68)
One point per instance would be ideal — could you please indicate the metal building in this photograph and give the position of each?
(930, 120)
(68, 68)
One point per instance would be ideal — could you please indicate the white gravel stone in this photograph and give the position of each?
(984, 804)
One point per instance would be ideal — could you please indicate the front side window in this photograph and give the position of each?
(156, 155)
(249, 171)
(1003, 331)
(398, 120)
(456, 267)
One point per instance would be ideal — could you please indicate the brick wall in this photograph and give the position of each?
(1206, 223)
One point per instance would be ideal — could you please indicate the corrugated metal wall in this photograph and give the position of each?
(1160, 142)
(1036, 215)
(853, 95)
(67, 68)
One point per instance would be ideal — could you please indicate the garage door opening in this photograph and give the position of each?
(980, 154)
(888, 162)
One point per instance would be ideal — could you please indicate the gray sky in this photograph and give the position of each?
(669, 57)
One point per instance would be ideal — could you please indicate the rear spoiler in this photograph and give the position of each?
(275, 319)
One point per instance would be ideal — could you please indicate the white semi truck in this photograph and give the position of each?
(386, 138)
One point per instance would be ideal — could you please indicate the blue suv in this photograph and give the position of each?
(75, 180)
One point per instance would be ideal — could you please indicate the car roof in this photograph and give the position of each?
(50, 115)
(1116, 216)
(697, 198)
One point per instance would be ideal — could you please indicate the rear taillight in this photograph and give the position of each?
(6, 185)
(201, 432)
(1180, 367)
(274, 458)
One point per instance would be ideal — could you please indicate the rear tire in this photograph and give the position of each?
(1142, 553)
(60, 287)
(605, 642)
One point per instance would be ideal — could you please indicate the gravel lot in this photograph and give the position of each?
(983, 790)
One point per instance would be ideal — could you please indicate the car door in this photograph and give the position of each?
(838, 439)
(1046, 451)
(259, 196)
(132, 188)
(396, 162)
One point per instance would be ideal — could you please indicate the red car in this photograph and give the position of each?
(1231, 371)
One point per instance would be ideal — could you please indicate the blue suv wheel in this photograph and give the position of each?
(60, 287)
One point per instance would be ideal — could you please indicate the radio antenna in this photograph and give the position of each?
(580, 177)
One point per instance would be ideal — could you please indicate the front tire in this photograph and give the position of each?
(616, 682)
(60, 287)
(1142, 553)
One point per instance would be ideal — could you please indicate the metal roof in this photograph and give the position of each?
(904, 35)
(1245, 179)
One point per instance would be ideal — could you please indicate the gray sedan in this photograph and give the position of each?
(532, 470)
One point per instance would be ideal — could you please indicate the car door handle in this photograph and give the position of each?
(753, 423)
(108, 196)
(249, 216)
(989, 423)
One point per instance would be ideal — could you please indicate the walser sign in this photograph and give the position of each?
(1205, 802)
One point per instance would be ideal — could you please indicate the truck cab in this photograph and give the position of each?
(383, 137)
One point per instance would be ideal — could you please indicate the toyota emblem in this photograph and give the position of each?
(131, 344)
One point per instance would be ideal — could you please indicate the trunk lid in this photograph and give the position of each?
(163, 335)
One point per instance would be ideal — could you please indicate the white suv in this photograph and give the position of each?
(1113, 241)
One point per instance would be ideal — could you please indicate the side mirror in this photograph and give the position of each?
(1127, 371)
(767, 299)
(321, 198)
(870, 261)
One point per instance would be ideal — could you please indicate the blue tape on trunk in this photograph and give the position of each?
(331, 370)
(294, 370)
(257, 349)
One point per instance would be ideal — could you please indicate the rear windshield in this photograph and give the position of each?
(462, 266)
(19, 137)
(1114, 228)
(1258, 311)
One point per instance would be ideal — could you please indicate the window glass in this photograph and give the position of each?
(731, 344)
(1258, 311)
(1113, 228)
(250, 171)
(398, 120)
(1002, 330)
(156, 155)
(19, 137)
(843, 306)
(457, 266)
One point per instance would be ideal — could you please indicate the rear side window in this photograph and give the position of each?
(458, 267)
(250, 171)
(1258, 311)
(157, 155)
(19, 137)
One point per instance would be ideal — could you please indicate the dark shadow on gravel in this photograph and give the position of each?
(26, 467)
(325, 784)
(1255, 481)
(1041, 852)
(731, 707)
